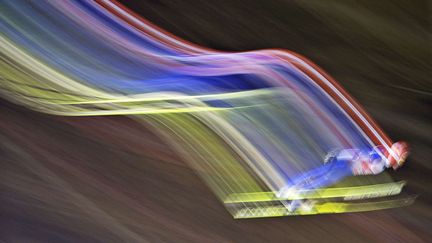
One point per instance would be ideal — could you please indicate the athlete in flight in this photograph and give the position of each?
(348, 162)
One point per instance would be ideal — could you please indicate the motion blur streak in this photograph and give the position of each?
(259, 127)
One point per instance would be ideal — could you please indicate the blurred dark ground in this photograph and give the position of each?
(111, 179)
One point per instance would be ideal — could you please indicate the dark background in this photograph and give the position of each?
(111, 179)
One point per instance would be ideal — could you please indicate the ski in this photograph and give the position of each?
(347, 193)
(321, 208)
